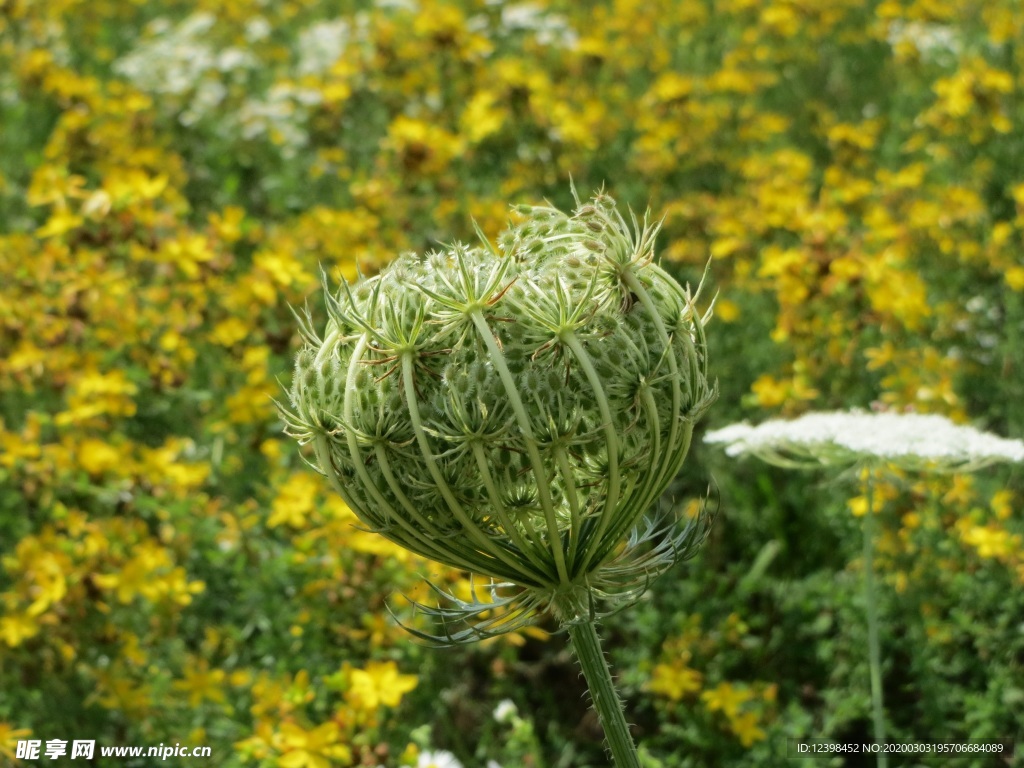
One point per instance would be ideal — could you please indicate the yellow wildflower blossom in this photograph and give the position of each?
(98, 456)
(726, 698)
(9, 738)
(318, 747)
(745, 726)
(202, 684)
(96, 394)
(482, 117)
(296, 499)
(1002, 504)
(674, 680)
(991, 541)
(378, 684)
(17, 628)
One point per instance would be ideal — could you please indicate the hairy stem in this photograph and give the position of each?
(587, 647)
(870, 599)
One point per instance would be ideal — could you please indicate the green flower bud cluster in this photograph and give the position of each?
(513, 411)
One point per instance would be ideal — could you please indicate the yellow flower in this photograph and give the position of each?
(61, 221)
(117, 692)
(9, 737)
(675, 681)
(379, 684)
(769, 391)
(991, 540)
(230, 331)
(371, 543)
(188, 253)
(962, 491)
(746, 728)
(727, 311)
(17, 628)
(671, 86)
(228, 225)
(726, 698)
(49, 585)
(1002, 504)
(128, 186)
(97, 456)
(96, 394)
(164, 466)
(423, 146)
(316, 748)
(1014, 278)
(482, 117)
(283, 268)
(202, 683)
(296, 499)
(257, 746)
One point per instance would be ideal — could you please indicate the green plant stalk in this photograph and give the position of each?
(871, 603)
(587, 646)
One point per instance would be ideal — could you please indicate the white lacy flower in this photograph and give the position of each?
(439, 759)
(550, 28)
(321, 45)
(909, 440)
(935, 39)
(505, 711)
(257, 29)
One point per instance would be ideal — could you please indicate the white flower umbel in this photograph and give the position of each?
(438, 759)
(907, 440)
(505, 711)
(861, 440)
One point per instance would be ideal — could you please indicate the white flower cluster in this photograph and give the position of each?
(438, 759)
(321, 45)
(934, 40)
(909, 440)
(549, 28)
(280, 115)
(178, 62)
(505, 711)
(444, 759)
(195, 77)
(410, 6)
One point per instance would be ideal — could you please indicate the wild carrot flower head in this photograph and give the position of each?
(907, 440)
(514, 411)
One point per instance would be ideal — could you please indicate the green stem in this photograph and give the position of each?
(587, 647)
(870, 600)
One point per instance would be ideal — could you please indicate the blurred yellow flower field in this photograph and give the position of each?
(176, 176)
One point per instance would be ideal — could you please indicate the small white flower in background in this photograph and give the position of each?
(439, 759)
(505, 711)
(550, 28)
(257, 29)
(493, 764)
(934, 39)
(908, 440)
(321, 45)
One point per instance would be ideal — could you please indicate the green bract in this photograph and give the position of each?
(514, 412)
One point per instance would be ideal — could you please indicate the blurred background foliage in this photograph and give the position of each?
(172, 176)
